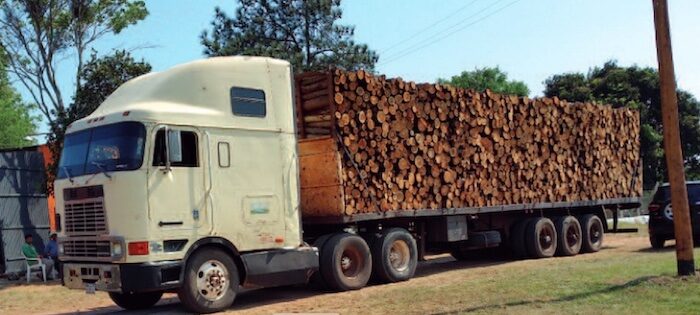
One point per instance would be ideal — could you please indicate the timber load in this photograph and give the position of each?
(371, 144)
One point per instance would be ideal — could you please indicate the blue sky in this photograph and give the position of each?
(422, 41)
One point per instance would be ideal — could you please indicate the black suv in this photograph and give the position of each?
(661, 215)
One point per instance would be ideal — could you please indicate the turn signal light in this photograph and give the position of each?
(138, 248)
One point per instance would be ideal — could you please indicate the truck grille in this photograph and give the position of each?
(84, 211)
(87, 248)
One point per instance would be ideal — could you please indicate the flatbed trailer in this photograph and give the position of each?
(204, 180)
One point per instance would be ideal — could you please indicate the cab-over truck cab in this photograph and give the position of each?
(185, 180)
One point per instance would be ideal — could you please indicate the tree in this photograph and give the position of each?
(488, 78)
(304, 32)
(637, 88)
(16, 121)
(38, 34)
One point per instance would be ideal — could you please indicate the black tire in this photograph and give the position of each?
(592, 233)
(657, 241)
(517, 238)
(215, 265)
(317, 278)
(136, 301)
(541, 238)
(394, 256)
(569, 236)
(346, 262)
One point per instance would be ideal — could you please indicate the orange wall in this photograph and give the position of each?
(48, 158)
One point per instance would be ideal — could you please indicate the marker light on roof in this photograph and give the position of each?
(126, 113)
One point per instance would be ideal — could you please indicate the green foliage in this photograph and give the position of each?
(40, 34)
(98, 79)
(16, 121)
(638, 88)
(488, 78)
(304, 32)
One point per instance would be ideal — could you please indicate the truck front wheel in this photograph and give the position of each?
(135, 301)
(395, 256)
(210, 283)
(346, 263)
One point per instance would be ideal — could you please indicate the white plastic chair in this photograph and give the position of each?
(38, 266)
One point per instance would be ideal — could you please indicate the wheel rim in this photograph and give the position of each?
(399, 255)
(351, 262)
(212, 280)
(668, 212)
(546, 238)
(572, 236)
(595, 233)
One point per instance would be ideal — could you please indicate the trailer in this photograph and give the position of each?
(229, 173)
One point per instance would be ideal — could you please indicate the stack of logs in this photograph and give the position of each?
(429, 146)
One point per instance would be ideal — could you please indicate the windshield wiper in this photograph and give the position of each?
(102, 168)
(65, 170)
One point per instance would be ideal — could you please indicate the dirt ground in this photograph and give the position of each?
(39, 298)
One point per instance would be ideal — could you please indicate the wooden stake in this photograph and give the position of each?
(672, 142)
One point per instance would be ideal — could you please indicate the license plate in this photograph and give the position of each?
(90, 288)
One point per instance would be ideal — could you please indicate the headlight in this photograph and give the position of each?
(60, 249)
(117, 249)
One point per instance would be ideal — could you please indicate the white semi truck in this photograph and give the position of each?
(188, 181)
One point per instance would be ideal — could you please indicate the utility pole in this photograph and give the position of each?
(672, 142)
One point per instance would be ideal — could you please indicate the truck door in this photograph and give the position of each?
(176, 186)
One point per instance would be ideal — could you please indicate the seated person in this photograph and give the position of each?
(51, 251)
(29, 251)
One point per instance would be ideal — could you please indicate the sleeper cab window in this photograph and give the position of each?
(187, 155)
(224, 155)
(248, 102)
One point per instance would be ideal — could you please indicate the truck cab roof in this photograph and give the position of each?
(200, 93)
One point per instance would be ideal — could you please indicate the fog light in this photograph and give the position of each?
(117, 249)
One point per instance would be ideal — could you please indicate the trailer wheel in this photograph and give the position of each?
(135, 301)
(541, 238)
(210, 283)
(569, 236)
(592, 233)
(395, 256)
(346, 262)
(517, 238)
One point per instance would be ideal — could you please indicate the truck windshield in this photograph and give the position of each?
(116, 147)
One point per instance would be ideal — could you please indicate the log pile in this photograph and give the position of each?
(427, 146)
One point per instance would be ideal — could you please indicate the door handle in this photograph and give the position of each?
(169, 223)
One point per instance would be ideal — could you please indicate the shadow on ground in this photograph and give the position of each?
(256, 298)
(568, 298)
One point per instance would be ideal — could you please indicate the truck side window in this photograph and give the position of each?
(248, 102)
(189, 150)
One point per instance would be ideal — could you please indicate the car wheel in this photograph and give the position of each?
(657, 241)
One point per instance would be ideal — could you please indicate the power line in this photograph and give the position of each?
(417, 48)
(427, 28)
(442, 31)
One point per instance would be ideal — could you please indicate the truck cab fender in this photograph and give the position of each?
(215, 242)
